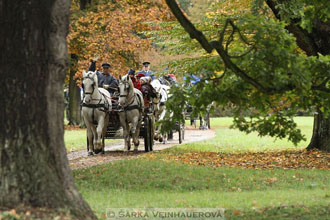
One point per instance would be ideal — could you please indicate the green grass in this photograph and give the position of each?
(77, 140)
(232, 140)
(139, 183)
(244, 193)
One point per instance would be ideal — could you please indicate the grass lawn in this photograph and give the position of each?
(76, 139)
(232, 140)
(244, 193)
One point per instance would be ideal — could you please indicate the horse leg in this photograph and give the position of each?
(124, 124)
(165, 137)
(135, 133)
(99, 136)
(90, 141)
(104, 131)
(93, 129)
(157, 135)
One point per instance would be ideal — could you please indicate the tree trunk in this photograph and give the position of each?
(34, 168)
(321, 133)
(74, 95)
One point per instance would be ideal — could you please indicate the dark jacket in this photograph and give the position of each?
(148, 91)
(105, 79)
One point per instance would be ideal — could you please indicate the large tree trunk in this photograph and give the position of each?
(34, 168)
(321, 133)
(74, 95)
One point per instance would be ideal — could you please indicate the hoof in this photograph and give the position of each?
(90, 153)
(102, 152)
(97, 151)
(137, 144)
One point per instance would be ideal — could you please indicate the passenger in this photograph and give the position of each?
(105, 79)
(136, 82)
(138, 76)
(147, 90)
(146, 70)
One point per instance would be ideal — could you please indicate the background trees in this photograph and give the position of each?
(270, 60)
(115, 31)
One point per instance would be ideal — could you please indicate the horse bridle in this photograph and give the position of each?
(93, 85)
(127, 86)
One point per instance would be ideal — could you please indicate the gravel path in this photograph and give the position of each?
(113, 152)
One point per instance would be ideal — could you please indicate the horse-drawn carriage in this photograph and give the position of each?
(115, 129)
(204, 120)
(123, 116)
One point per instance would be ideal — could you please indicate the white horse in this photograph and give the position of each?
(95, 107)
(160, 108)
(131, 100)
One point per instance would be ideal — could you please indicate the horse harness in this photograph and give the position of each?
(128, 104)
(104, 107)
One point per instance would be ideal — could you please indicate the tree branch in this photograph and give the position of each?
(188, 26)
(303, 39)
(209, 46)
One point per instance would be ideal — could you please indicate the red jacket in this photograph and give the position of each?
(136, 83)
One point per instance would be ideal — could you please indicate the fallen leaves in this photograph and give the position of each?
(289, 159)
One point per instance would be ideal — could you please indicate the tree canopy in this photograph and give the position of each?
(258, 55)
(114, 31)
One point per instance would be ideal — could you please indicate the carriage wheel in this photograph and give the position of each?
(87, 144)
(170, 135)
(151, 134)
(148, 137)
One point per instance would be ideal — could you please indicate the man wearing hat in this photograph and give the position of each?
(146, 70)
(105, 79)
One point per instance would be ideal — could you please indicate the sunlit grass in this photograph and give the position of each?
(232, 140)
(244, 193)
(77, 140)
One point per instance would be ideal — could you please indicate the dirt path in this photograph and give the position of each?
(79, 159)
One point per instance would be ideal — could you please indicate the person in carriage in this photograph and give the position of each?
(135, 80)
(138, 77)
(167, 79)
(146, 70)
(105, 79)
(147, 90)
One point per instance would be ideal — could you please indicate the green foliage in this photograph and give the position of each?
(307, 12)
(286, 80)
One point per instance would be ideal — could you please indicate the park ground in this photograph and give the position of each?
(250, 177)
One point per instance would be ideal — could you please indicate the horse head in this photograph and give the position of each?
(156, 85)
(126, 90)
(89, 83)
